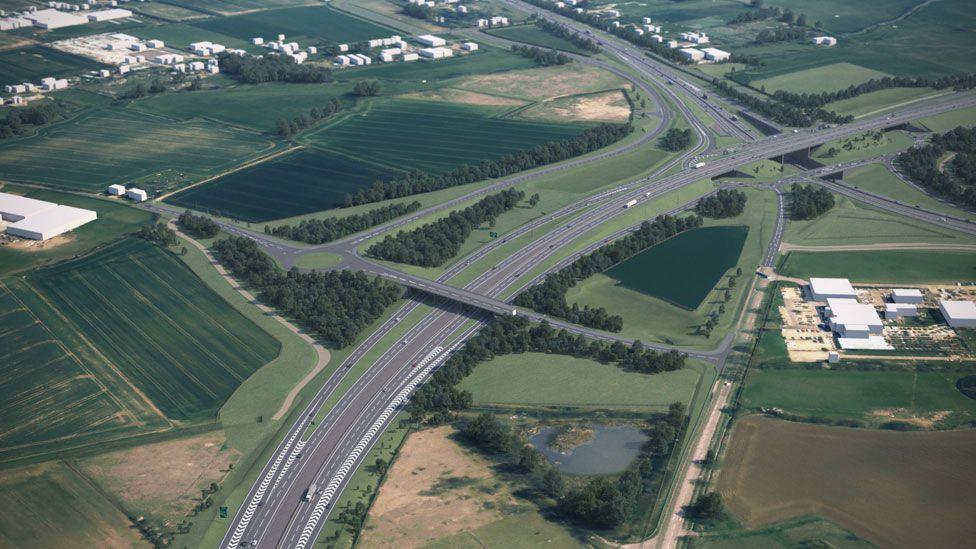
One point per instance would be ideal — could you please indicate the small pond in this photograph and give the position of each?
(611, 449)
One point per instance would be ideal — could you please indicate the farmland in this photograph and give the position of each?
(536, 379)
(138, 147)
(901, 490)
(293, 184)
(230, 7)
(314, 23)
(530, 34)
(486, 60)
(807, 531)
(929, 399)
(839, 76)
(35, 62)
(169, 12)
(114, 221)
(884, 266)
(433, 136)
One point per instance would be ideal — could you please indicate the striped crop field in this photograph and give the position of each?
(116, 343)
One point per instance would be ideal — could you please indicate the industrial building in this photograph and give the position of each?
(907, 295)
(849, 318)
(50, 19)
(716, 55)
(823, 288)
(116, 190)
(691, 54)
(469, 46)
(436, 53)
(108, 15)
(431, 40)
(137, 195)
(959, 314)
(894, 311)
(39, 219)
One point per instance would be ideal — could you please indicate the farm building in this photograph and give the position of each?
(138, 47)
(108, 15)
(959, 314)
(138, 195)
(312, 50)
(342, 60)
(907, 295)
(38, 219)
(257, 41)
(894, 311)
(823, 288)
(53, 19)
(343, 47)
(388, 54)
(16, 100)
(104, 73)
(499, 21)
(657, 38)
(431, 40)
(436, 53)
(716, 55)
(482, 23)
(691, 54)
(851, 319)
(824, 41)
(116, 190)
(155, 44)
(50, 84)
(469, 46)
(411, 56)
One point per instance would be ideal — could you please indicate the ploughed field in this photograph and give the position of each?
(119, 341)
(894, 489)
(32, 63)
(683, 269)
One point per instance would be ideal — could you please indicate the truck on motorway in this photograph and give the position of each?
(310, 491)
(631, 203)
(699, 165)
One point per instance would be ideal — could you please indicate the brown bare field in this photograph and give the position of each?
(27, 245)
(895, 489)
(435, 489)
(163, 479)
(454, 95)
(543, 83)
(609, 106)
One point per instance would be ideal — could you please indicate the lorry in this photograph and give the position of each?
(310, 491)
(630, 203)
(699, 165)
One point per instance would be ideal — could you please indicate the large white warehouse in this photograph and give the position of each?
(822, 288)
(431, 40)
(38, 219)
(959, 314)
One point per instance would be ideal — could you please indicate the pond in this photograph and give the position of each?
(610, 450)
(683, 269)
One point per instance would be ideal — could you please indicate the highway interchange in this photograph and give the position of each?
(274, 513)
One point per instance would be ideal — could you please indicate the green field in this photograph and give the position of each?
(228, 7)
(32, 63)
(949, 120)
(537, 379)
(167, 11)
(530, 34)
(433, 136)
(862, 146)
(884, 266)
(808, 531)
(297, 183)
(123, 340)
(154, 151)
(487, 60)
(875, 102)
(664, 271)
(878, 179)
(51, 506)
(318, 24)
(180, 35)
(836, 76)
(114, 221)
(252, 106)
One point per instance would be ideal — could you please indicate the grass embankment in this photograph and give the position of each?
(878, 179)
(883, 266)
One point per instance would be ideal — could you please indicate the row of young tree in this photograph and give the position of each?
(287, 128)
(546, 58)
(198, 225)
(958, 180)
(21, 121)
(602, 502)
(271, 68)
(819, 99)
(320, 231)
(434, 243)
(676, 140)
(724, 203)
(550, 296)
(336, 305)
(565, 33)
(809, 201)
(417, 181)
(436, 401)
(779, 111)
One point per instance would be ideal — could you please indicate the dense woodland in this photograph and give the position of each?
(957, 181)
(271, 68)
(724, 203)
(434, 243)
(336, 306)
(676, 140)
(576, 38)
(198, 225)
(546, 58)
(21, 121)
(809, 201)
(550, 296)
(436, 401)
(418, 181)
(319, 231)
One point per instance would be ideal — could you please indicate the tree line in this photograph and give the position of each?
(434, 243)
(724, 203)
(437, 400)
(676, 140)
(814, 100)
(336, 305)
(198, 225)
(320, 231)
(417, 181)
(365, 88)
(550, 296)
(158, 234)
(761, 13)
(546, 58)
(958, 181)
(768, 36)
(286, 128)
(809, 201)
(271, 68)
(779, 111)
(576, 38)
(19, 121)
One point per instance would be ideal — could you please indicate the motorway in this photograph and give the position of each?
(274, 513)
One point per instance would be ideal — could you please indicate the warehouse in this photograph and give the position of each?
(469, 46)
(15, 207)
(716, 55)
(823, 288)
(436, 53)
(894, 311)
(138, 195)
(959, 314)
(907, 295)
(431, 40)
(116, 190)
(691, 54)
(108, 15)
(53, 19)
(51, 223)
(851, 319)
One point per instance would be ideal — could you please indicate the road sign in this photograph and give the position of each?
(493, 234)
(223, 511)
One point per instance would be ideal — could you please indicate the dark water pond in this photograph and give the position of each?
(611, 450)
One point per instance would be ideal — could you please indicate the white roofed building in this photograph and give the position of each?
(51, 223)
(691, 54)
(823, 288)
(959, 314)
(116, 190)
(431, 40)
(137, 195)
(716, 55)
(907, 295)
(851, 319)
